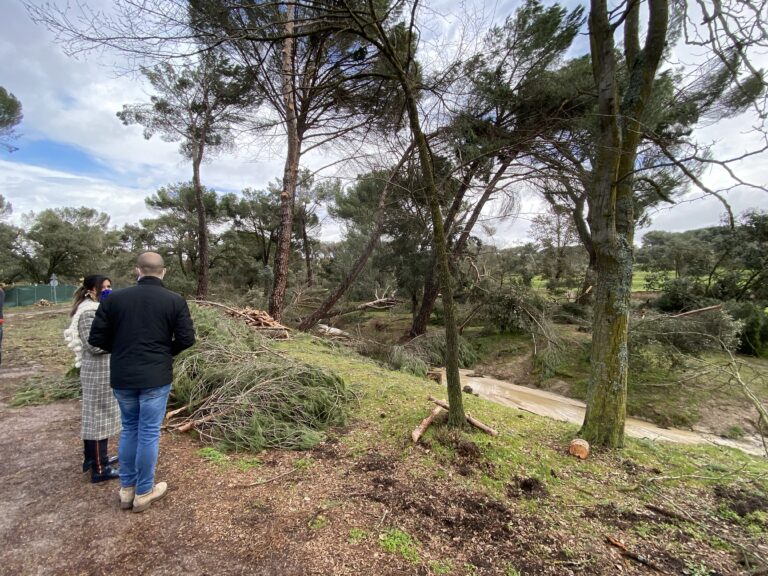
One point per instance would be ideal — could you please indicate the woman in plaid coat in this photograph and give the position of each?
(100, 412)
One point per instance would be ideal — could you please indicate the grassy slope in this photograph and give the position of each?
(530, 447)
(576, 503)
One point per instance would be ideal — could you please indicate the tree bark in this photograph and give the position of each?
(290, 176)
(611, 207)
(431, 291)
(456, 416)
(202, 227)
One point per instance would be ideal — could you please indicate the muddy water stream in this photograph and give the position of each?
(565, 409)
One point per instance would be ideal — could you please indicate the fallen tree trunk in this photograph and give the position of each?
(697, 311)
(322, 311)
(378, 304)
(474, 421)
(421, 428)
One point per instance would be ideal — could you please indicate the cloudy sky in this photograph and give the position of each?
(73, 151)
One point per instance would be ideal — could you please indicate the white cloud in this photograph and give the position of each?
(75, 102)
(31, 188)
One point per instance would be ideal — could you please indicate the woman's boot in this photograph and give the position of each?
(89, 451)
(87, 458)
(101, 470)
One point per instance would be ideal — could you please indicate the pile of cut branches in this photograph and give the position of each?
(238, 393)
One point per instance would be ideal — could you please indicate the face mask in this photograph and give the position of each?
(104, 293)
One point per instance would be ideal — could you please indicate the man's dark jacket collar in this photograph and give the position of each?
(150, 280)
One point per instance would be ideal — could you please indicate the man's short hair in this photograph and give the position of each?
(150, 264)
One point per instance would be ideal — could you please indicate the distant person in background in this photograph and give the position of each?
(100, 412)
(144, 327)
(2, 303)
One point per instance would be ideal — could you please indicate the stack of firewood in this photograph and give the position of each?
(258, 319)
(262, 321)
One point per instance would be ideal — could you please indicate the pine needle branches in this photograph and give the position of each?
(241, 394)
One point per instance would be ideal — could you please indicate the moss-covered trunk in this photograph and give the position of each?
(611, 204)
(456, 416)
(607, 395)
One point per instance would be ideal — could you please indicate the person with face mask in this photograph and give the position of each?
(106, 289)
(100, 411)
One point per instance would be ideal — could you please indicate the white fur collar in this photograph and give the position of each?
(72, 335)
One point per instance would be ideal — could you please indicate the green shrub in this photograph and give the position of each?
(573, 313)
(395, 357)
(754, 333)
(431, 348)
(734, 433)
(680, 294)
(404, 360)
(687, 334)
(654, 281)
(515, 310)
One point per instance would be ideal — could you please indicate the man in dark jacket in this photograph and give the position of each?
(143, 327)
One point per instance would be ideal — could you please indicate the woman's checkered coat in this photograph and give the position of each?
(101, 414)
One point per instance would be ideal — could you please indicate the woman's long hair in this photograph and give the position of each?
(94, 281)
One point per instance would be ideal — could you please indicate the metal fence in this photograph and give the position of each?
(28, 295)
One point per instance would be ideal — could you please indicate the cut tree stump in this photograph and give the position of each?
(435, 375)
(421, 428)
(579, 448)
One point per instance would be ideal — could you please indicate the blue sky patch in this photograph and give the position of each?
(58, 156)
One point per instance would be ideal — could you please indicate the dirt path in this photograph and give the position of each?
(42, 310)
(55, 522)
(569, 410)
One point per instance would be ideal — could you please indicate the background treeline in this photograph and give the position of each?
(688, 270)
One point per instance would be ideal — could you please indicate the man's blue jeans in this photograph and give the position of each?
(142, 413)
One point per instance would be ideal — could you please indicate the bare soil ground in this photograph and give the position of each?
(330, 511)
